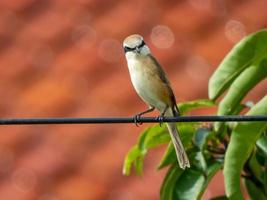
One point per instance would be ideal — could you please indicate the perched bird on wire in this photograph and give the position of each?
(153, 86)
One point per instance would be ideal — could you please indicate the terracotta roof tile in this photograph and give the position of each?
(65, 58)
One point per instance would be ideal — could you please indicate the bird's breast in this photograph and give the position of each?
(145, 80)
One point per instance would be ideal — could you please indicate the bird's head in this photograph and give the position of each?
(134, 44)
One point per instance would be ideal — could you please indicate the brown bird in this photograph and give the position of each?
(153, 86)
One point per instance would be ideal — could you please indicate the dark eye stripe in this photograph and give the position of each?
(127, 49)
(142, 44)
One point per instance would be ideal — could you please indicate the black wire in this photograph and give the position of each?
(25, 121)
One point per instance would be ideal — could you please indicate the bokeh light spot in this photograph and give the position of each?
(24, 179)
(84, 36)
(162, 37)
(234, 30)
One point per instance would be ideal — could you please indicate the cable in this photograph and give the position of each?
(108, 120)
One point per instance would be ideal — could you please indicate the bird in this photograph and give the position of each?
(152, 85)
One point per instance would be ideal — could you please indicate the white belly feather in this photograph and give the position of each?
(143, 84)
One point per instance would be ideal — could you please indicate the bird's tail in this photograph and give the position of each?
(178, 146)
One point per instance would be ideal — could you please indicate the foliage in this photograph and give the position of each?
(240, 149)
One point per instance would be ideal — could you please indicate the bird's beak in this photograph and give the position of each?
(137, 49)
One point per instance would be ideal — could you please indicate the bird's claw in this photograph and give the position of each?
(160, 120)
(136, 119)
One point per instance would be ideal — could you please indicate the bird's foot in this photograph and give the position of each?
(136, 119)
(160, 119)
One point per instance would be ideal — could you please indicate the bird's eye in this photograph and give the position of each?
(141, 45)
(127, 49)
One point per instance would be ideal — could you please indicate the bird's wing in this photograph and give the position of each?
(161, 73)
(164, 79)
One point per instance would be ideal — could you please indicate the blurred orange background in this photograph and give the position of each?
(65, 59)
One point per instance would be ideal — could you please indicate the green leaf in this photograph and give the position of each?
(201, 137)
(240, 87)
(192, 184)
(187, 131)
(168, 158)
(256, 168)
(150, 138)
(201, 163)
(130, 159)
(190, 105)
(154, 137)
(243, 139)
(167, 187)
(254, 192)
(189, 185)
(262, 144)
(212, 169)
(247, 52)
(139, 162)
(265, 177)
